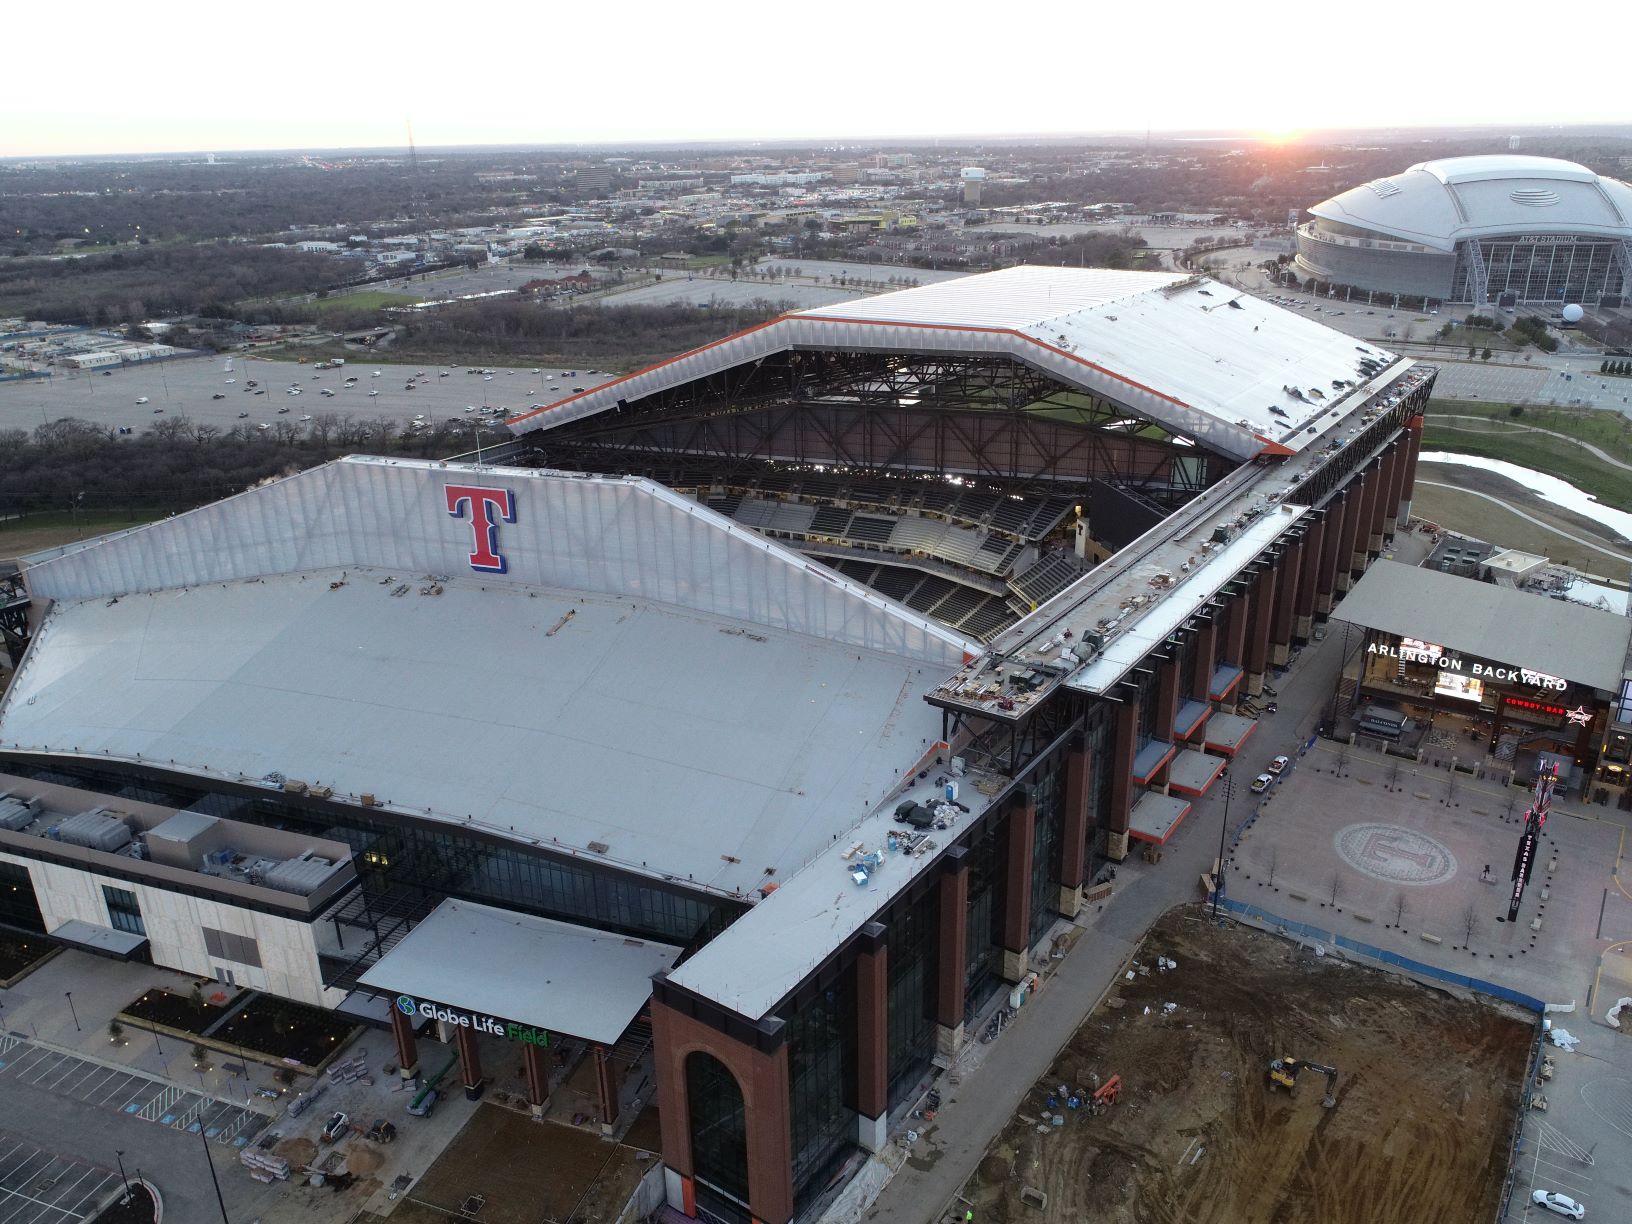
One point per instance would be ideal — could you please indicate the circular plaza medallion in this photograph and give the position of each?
(1395, 854)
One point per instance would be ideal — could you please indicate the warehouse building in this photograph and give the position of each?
(752, 823)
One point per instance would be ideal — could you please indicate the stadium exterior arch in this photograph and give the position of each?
(1486, 230)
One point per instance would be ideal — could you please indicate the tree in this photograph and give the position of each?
(533, 252)
(1337, 886)
(1399, 911)
(1485, 355)
(1469, 920)
(116, 1033)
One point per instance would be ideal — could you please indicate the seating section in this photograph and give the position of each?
(1046, 578)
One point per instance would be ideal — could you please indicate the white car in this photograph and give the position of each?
(230, 381)
(1560, 1204)
(306, 418)
(141, 399)
(1279, 764)
(1262, 783)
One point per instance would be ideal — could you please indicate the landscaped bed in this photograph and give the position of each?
(182, 1013)
(19, 955)
(286, 1030)
(136, 1209)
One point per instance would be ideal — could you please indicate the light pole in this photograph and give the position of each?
(123, 1180)
(1223, 829)
(69, 995)
(210, 1160)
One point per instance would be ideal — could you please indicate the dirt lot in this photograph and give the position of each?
(530, 1172)
(1426, 1097)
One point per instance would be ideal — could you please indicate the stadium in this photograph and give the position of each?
(1489, 230)
(773, 705)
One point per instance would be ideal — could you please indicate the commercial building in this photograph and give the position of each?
(652, 738)
(1489, 230)
(1489, 671)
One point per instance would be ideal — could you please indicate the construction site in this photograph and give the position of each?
(1234, 1076)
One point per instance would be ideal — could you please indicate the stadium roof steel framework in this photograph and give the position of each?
(1440, 203)
(1157, 366)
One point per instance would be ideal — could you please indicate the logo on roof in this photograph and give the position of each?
(407, 1005)
(487, 508)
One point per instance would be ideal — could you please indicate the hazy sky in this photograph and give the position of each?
(100, 78)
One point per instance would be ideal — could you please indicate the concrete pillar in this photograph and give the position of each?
(952, 965)
(1396, 481)
(606, 1090)
(1387, 469)
(402, 1032)
(1309, 563)
(470, 1062)
(1262, 607)
(1124, 747)
(1368, 515)
(538, 1079)
(1206, 659)
(872, 1037)
(1409, 483)
(1331, 549)
(1286, 598)
(1022, 842)
(1074, 805)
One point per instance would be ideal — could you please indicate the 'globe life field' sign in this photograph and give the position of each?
(478, 1022)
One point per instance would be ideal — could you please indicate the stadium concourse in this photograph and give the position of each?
(762, 822)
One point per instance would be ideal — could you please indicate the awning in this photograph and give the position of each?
(1155, 816)
(1226, 733)
(1225, 677)
(369, 1008)
(518, 977)
(104, 941)
(1151, 758)
(1193, 773)
(1190, 717)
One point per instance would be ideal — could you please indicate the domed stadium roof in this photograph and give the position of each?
(1439, 203)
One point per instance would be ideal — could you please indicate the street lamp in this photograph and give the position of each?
(123, 1180)
(210, 1160)
(1223, 828)
(69, 995)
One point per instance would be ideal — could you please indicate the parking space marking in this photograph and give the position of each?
(40, 1187)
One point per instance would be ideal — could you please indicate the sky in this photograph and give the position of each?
(191, 77)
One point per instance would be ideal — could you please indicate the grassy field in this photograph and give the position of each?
(1477, 337)
(1462, 511)
(21, 536)
(1500, 436)
(363, 299)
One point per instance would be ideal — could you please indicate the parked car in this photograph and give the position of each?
(1262, 783)
(1559, 1204)
(1279, 764)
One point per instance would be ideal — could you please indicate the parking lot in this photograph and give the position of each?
(127, 1092)
(188, 387)
(39, 1186)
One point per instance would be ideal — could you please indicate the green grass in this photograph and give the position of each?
(363, 299)
(1499, 439)
(1476, 337)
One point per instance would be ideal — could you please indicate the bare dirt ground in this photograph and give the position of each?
(529, 1172)
(1427, 1092)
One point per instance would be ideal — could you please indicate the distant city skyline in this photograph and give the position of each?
(324, 77)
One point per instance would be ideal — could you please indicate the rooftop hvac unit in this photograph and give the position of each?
(17, 813)
(304, 875)
(97, 829)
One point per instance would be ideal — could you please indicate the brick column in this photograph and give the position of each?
(1079, 774)
(1263, 606)
(1123, 751)
(1331, 549)
(1396, 481)
(1353, 510)
(1206, 658)
(760, 1067)
(872, 1037)
(1233, 650)
(1309, 567)
(470, 1062)
(1167, 698)
(1387, 470)
(606, 1091)
(1286, 598)
(1368, 514)
(1022, 842)
(952, 964)
(402, 1032)
(1408, 483)
(538, 1079)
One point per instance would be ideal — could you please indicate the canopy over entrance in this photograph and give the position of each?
(519, 977)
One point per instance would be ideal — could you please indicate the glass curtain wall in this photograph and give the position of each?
(821, 1067)
(1049, 792)
(983, 934)
(912, 948)
(719, 1138)
(19, 907)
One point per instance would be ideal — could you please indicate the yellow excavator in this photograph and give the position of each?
(1283, 1073)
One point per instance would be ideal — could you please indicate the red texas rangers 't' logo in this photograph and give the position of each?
(488, 507)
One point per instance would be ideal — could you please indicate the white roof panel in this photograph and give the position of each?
(680, 743)
(536, 971)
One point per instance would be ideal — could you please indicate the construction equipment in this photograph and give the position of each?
(1105, 1095)
(1283, 1073)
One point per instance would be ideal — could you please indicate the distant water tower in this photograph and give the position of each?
(973, 179)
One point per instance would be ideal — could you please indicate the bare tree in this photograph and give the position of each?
(1469, 919)
(1337, 886)
(1399, 911)
(1274, 857)
(1394, 776)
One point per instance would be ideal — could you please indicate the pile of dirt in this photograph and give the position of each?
(299, 1152)
(1427, 1089)
(362, 1161)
